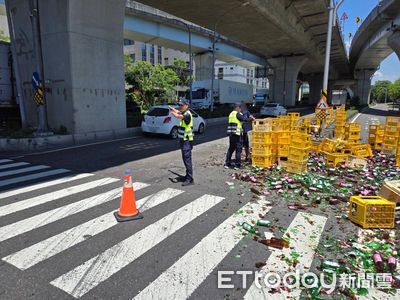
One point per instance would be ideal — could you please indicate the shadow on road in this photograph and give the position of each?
(95, 158)
(380, 112)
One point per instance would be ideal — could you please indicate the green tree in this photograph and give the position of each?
(149, 85)
(379, 90)
(394, 90)
(181, 69)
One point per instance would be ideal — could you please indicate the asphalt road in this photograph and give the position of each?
(59, 240)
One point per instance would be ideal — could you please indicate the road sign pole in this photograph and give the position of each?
(42, 116)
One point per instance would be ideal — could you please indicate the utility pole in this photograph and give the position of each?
(42, 126)
(333, 8)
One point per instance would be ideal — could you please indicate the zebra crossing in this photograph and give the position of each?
(183, 275)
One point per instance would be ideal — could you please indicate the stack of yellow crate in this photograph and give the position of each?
(340, 123)
(294, 120)
(375, 136)
(262, 143)
(353, 133)
(391, 135)
(299, 150)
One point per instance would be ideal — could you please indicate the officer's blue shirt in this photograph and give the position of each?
(247, 126)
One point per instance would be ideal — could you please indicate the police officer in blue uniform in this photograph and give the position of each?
(185, 134)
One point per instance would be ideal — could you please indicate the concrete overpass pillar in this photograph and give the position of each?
(82, 54)
(316, 83)
(363, 87)
(286, 70)
(204, 66)
(394, 42)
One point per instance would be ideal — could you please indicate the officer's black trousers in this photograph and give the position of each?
(186, 149)
(235, 145)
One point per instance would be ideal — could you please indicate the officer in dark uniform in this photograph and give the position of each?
(185, 134)
(235, 133)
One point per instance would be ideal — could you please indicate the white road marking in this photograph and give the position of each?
(23, 170)
(5, 160)
(56, 214)
(38, 186)
(355, 118)
(39, 252)
(21, 205)
(19, 164)
(183, 277)
(88, 275)
(305, 232)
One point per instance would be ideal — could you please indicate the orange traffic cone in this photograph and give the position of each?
(127, 210)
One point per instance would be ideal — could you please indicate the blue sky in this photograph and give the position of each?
(390, 68)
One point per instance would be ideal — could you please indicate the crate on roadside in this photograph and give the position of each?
(362, 150)
(392, 121)
(390, 190)
(262, 149)
(262, 125)
(261, 137)
(262, 161)
(283, 150)
(297, 166)
(333, 159)
(284, 137)
(372, 211)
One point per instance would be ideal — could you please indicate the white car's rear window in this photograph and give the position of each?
(158, 112)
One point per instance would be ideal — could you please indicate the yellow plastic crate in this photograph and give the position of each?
(262, 161)
(328, 145)
(262, 149)
(353, 126)
(388, 149)
(376, 128)
(390, 140)
(372, 211)
(297, 166)
(315, 146)
(283, 137)
(298, 156)
(293, 116)
(262, 125)
(398, 161)
(259, 137)
(392, 131)
(283, 150)
(392, 121)
(333, 159)
(362, 150)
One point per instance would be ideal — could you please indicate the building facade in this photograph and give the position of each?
(139, 51)
(239, 74)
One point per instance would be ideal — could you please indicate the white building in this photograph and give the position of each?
(239, 74)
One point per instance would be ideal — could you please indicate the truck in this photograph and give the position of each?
(261, 97)
(339, 97)
(225, 92)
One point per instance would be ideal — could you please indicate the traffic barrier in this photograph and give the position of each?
(372, 211)
(128, 210)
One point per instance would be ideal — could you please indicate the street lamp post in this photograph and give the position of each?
(213, 48)
(333, 8)
(190, 56)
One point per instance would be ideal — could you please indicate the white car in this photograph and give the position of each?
(273, 109)
(159, 120)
